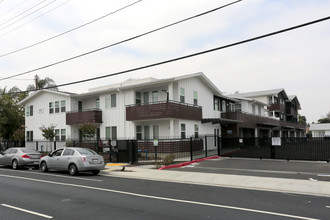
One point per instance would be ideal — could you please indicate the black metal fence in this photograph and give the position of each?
(188, 149)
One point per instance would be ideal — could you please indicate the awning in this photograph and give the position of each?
(221, 121)
(288, 127)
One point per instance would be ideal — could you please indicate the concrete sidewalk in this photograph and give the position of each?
(148, 172)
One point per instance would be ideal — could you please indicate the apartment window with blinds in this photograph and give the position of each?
(216, 105)
(155, 96)
(111, 133)
(63, 106)
(113, 100)
(57, 134)
(57, 107)
(63, 134)
(238, 107)
(29, 136)
(51, 108)
(138, 98)
(195, 98)
(196, 128)
(29, 110)
(146, 132)
(183, 131)
(182, 92)
(139, 132)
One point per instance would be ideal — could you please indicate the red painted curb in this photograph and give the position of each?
(187, 163)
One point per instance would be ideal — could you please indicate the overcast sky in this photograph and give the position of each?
(297, 61)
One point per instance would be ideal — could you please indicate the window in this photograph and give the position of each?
(196, 131)
(57, 134)
(253, 109)
(63, 134)
(29, 110)
(138, 98)
(57, 107)
(57, 153)
(232, 107)
(238, 107)
(68, 152)
(63, 106)
(146, 98)
(107, 101)
(224, 107)
(139, 132)
(182, 95)
(146, 132)
(97, 103)
(183, 131)
(111, 133)
(270, 100)
(51, 108)
(195, 98)
(155, 96)
(216, 105)
(29, 136)
(155, 130)
(113, 100)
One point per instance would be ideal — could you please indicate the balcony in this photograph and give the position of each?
(85, 116)
(164, 109)
(277, 107)
(251, 120)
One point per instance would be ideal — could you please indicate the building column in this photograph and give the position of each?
(256, 133)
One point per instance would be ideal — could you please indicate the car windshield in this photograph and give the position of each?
(84, 151)
(29, 151)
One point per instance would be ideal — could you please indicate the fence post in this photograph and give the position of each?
(54, 145)
(205, 145)
(191, 149)
(36, 145)
(110, 148)
(219, 145)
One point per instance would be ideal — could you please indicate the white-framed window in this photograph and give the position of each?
(155, 131)
(238, 107)
(111, 133)
(57, 107)
(216, 105)
(57, 134)
(196, 131)
(195, 98)
(146, 98)
(63, 106)
(29, 110)
(51, 108)
(138, 98)
(182, 98)
(155, 96)
(97, 103)
(146, 132)
(113, 100)
(183, 131)
(29, 135)
(139, 132)
(63, 134)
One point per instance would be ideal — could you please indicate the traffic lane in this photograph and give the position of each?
(279, 202)
(62, 201)
(263, 168)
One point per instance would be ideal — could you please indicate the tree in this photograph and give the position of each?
(41, 84)
(48, 132)
(326, 119)
(302, 119)
(88, 130)
(11, 114)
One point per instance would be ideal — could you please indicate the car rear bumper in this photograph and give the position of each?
(90, 167)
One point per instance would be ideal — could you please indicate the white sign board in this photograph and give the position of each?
(276, 141)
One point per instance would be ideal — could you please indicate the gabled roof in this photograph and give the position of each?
(262, 93)
(34, 94)
(294, 98)
(248, 99)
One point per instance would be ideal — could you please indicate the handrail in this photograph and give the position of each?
(85, 110)
(164, 101)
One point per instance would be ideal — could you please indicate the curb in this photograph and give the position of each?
(187, 163)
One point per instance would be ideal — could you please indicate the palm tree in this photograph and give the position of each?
(42, 84)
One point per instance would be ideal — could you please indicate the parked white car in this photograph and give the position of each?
(74, 160)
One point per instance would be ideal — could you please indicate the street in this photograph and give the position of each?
(28, 194)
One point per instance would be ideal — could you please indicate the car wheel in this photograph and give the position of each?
(73, 169)
(95, 172)
(14, 164)
(43, 167)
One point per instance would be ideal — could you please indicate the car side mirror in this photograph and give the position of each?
(50, 154)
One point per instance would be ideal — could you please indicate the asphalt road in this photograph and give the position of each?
(57, 195)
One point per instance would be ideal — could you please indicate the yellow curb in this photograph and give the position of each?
(115, 164)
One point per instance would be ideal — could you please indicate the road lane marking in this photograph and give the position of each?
(163, 198)
(27, 211)
(48, 174)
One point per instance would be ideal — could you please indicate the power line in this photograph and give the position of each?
(83, 25)
(27, 15)
(1, 35)
(12, 8)
(120, 42)
(22, 12)
(194, 54)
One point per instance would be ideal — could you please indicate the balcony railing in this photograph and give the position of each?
(277, 107)
(163, 109)
(85, 116)
(251, 120)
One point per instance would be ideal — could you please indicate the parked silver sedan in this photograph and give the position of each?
(17, 157)
(74, 160)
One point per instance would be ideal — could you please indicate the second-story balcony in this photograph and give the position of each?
(277, 107)
(164, 109)
(85, 116)
(251, 120)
